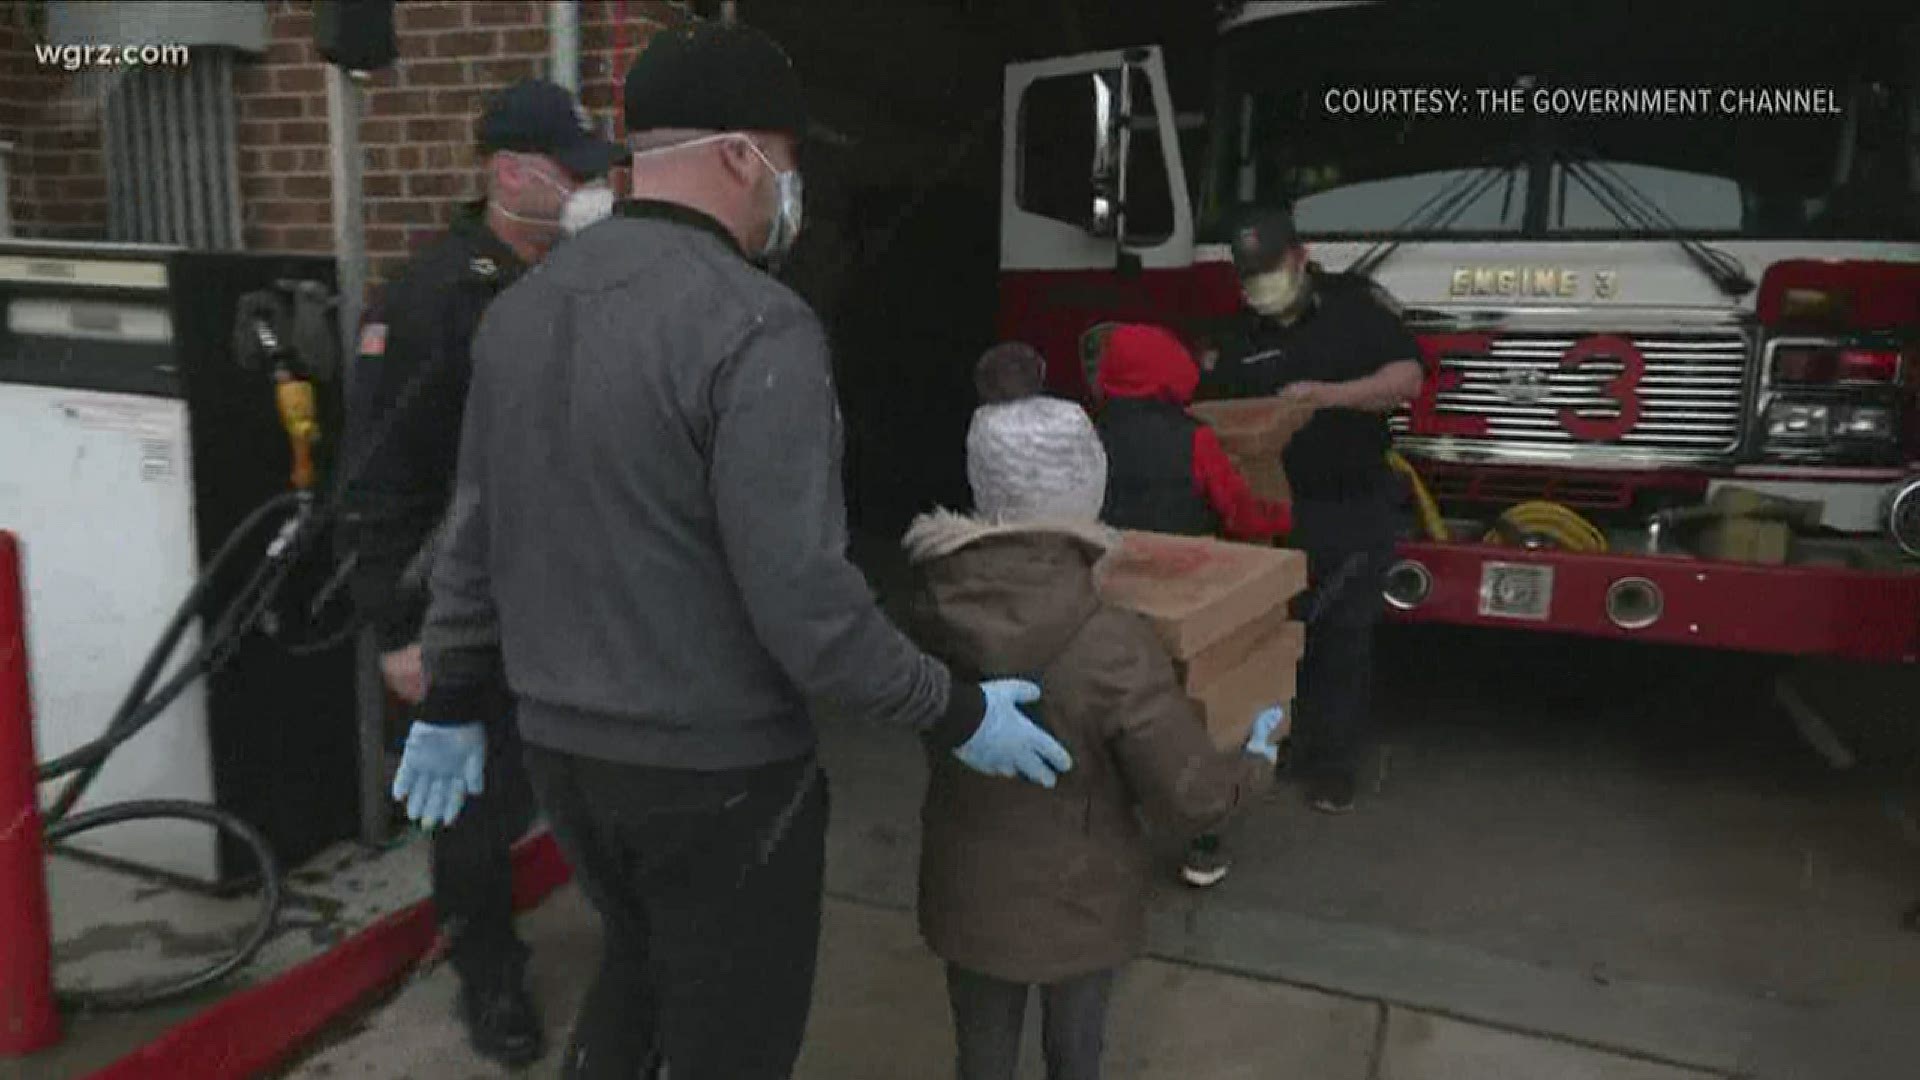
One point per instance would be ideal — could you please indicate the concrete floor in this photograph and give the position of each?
(1571, 861)
(117, 930)
(880, 1014)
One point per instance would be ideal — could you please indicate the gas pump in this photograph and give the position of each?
(160, 411)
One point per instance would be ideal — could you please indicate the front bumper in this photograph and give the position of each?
(1861, 615)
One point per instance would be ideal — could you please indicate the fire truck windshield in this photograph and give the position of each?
(1531, 121)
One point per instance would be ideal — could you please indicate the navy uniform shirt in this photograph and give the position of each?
(405, 403)
(1350, 332)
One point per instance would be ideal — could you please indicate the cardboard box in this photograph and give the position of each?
(1197, 591)
(1267, 477)
(1253, 427)
(1220, 659)
(1228, 705)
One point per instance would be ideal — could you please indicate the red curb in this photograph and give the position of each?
(264, 1025)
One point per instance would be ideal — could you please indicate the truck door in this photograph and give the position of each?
(1096, 223)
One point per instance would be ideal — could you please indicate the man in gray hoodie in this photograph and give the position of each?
(648, 536)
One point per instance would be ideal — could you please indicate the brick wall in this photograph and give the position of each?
(56, 178)
(417, 132)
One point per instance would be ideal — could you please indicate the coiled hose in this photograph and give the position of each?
(143, 704)
(1547, 524)
(1529, 524)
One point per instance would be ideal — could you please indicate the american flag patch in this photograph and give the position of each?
(373, 339)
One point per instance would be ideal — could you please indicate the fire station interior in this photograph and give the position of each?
(1617, 843)
(1608, 812)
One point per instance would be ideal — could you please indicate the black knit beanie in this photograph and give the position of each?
(714, 77)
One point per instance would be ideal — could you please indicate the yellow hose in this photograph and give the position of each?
(1426, 511)
(1565, 529)
(1553, 522)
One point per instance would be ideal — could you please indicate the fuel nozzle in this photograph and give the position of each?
(300, 418)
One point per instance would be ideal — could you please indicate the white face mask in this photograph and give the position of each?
(789, 209)
(586, 206)
(540, 221)
(1277, 294)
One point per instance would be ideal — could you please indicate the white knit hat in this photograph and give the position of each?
(1035, 459)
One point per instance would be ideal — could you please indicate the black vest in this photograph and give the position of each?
(1150, 483)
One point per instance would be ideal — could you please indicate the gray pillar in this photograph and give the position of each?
(350, 249)
(563, 43)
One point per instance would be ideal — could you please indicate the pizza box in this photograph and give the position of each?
(1226, 655)
(1253, 427)
(1196, 591)
(1229, 704)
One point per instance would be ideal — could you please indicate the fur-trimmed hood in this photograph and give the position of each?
(943, 532)
(1003, 598)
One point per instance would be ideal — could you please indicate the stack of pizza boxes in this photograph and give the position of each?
(1221, 608)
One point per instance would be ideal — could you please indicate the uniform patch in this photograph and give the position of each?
(373, 339)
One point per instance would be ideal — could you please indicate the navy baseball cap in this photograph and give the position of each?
(541, 117)
(1262, 239)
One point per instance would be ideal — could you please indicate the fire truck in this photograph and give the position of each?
(1655, 272)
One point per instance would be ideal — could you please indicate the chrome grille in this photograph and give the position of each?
(1692, 396)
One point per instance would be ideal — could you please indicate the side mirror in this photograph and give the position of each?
(1112, 150)
(1105, 213)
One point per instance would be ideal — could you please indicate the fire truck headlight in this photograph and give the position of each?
(1799, 420)
(1867, 422)
(1902, 513)
(1635, 603)
(1408, 585)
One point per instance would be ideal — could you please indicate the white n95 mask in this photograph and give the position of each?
(586, 206)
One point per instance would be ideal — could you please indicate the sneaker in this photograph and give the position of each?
(502, 1023)
(1331, 793)
(1205, 866)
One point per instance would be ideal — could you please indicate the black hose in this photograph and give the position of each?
(144, 704)
(271, 887)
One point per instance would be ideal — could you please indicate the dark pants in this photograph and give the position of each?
(1334, 718)
(708, 890)
(989, 1015)
(473, 869)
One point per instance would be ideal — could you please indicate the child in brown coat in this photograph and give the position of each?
(1024, 886)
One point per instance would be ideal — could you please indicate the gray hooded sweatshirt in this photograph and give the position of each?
(648, 528)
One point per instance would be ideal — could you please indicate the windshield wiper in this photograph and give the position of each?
(1440, 210)
(1632, 206)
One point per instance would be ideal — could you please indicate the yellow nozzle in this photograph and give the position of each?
(298, 417)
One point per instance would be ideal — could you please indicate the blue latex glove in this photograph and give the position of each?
(1009, 744)
(1268, 729)
(441, 766)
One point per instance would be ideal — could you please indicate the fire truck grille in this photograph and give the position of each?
(1692, 395)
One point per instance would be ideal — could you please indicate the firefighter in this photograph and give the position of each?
(1335, 345)
(648, 536)
(404, 417)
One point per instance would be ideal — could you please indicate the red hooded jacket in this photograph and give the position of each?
(1149, 362)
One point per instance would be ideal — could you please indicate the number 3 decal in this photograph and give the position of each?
(1624, 388)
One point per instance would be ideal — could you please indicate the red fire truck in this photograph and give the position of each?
(1654, 272)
